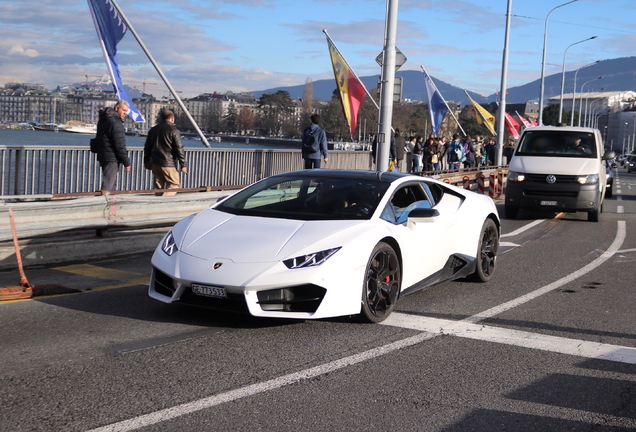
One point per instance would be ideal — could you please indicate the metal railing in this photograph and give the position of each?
(39, 170)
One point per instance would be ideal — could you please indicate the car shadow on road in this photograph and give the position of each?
(133, 302)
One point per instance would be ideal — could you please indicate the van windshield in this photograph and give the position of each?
(557, 144)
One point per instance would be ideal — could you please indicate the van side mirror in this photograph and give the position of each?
(609, 154)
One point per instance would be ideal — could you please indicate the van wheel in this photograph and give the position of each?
(594, 215)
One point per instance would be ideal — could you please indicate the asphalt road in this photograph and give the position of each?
(548, 345)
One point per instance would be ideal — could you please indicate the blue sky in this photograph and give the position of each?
(249, 45)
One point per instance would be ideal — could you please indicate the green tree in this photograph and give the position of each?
(230, 118)
(333, 119)
(276, 107)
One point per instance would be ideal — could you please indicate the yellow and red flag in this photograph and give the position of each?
(483, 116)
(350, 88)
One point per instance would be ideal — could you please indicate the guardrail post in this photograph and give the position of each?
(492, 185)
(500, 183)
(480, 183)
(466, 182)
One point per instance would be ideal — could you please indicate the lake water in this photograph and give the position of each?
(19, 137)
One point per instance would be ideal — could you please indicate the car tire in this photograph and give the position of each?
(381, 287)
(511, 211)
(594, 215)
(486, 260)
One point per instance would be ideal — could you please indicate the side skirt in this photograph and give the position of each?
(457, 266)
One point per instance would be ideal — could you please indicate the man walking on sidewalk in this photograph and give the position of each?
(162, 150)
(111, 143)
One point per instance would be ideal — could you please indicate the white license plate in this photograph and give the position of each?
(548, 203)
(208, 291)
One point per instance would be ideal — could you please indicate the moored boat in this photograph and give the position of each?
(88, 128)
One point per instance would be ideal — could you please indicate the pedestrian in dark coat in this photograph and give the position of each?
(314, 144)
(111, 143)
(400, 149)
(162, 150)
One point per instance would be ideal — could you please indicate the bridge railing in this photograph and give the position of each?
(38, 170)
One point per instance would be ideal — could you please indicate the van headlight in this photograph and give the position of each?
(588, 179)
(516, 176)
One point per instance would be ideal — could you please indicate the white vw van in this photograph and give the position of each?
(559, 169)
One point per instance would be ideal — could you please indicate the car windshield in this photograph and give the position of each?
(555, 143)
(308, 198)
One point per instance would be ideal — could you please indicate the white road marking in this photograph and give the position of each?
(508, 244)
(620, 209)
(431, 328)
(618, 241)
(232, 395)
(523, 228)
(575, 347)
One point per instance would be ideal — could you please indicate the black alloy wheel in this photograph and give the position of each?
(381, 284)
(487, 252)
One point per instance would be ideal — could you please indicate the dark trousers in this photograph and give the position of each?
(312, 163)
(109, 175)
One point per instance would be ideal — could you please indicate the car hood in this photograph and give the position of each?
(213, 234)
(554, 165)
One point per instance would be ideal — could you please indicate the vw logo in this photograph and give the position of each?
(217, 265)
(551, 179)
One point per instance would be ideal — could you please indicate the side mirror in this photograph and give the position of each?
(609, 154)
(423, 215)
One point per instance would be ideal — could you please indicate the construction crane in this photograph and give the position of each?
(144, 82)
(76, 74)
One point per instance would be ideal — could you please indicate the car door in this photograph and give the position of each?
(425, 242)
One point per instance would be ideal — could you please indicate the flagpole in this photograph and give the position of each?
(445, 103)
(350, 69)
(163, 77)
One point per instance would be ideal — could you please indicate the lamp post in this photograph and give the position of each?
(633, 134)
(581, 99)
(587, 118)
(574, 94)
(545, 43)
(502, 103)
(563, 77)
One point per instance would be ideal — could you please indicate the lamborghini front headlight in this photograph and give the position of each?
(169, 245)
(310, 260)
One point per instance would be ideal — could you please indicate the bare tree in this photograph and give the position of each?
(307, 103)
(245, 120)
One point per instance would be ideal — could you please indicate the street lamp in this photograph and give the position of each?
(545, 43)
(587, 118)
(563, 77)
(581, 99)
(574, 94)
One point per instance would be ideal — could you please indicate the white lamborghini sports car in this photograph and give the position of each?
(325, 243)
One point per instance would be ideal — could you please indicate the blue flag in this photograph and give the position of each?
(111, 29)
(436, 105)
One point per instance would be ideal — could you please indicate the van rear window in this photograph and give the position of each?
(557, 144)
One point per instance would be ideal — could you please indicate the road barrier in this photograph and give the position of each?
(481, 180)
(500, 183)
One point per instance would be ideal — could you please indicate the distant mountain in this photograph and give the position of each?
(618, 75)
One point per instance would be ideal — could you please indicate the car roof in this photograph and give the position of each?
(560, 129)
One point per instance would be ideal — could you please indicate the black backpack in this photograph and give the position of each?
(308, 140)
